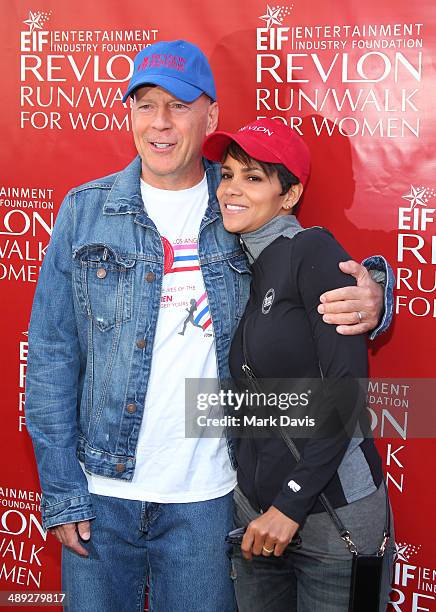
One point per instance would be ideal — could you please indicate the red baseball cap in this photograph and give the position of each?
(266, 140)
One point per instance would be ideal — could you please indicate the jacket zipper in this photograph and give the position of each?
(252, 377)
(256, 475)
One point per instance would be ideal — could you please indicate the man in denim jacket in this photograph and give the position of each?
(110, 345)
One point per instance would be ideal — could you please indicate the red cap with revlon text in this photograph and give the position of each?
(266, 140)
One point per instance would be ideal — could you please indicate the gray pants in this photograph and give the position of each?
(316, 576)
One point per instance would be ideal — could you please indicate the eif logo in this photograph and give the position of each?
(35, 38)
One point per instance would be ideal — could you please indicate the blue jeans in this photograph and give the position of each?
(178, 549)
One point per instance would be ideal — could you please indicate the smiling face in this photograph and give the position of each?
(248, 197)
(168, 135)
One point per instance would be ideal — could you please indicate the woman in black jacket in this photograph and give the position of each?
(292, 556)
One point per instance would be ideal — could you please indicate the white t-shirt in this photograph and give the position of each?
(169, 467)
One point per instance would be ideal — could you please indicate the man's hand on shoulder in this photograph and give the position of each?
(68, 535)
(355, 310)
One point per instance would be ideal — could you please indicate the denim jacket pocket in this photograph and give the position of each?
(103, 280)
(242, 282)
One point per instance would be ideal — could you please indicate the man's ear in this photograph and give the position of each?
(212, 118)
(292, 196)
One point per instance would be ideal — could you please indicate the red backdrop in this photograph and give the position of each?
(355, 79)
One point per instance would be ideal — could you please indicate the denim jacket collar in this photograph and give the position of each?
(213, 176)
(125, 194)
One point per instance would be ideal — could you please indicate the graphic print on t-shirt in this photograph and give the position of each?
(185, 258)
(190, 317)
(182, 256)
(168, 254)
(202, 319)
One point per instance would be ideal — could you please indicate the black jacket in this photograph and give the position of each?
(285, 338)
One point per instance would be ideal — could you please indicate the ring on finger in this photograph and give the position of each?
(359, 316)
(268, 550)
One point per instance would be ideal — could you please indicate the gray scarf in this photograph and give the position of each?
(255, 242)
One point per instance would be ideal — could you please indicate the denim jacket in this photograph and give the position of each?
(92, 331)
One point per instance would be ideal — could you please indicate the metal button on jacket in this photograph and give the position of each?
(101, 273)
(149, 277)
(120, 467)
(131, 408)
(141, 343)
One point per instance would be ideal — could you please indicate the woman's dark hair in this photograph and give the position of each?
(285, 176)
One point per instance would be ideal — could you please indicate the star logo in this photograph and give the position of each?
(275, 14)
(404, 551)
(415, 197)
(36, 20)
(419, 196)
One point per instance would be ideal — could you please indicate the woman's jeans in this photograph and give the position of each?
(312, 578)
(178, 549)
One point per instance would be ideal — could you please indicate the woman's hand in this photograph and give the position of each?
(269, 534)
